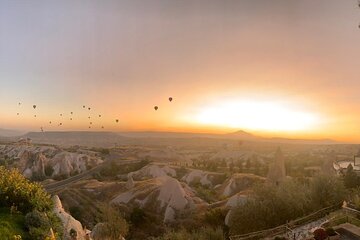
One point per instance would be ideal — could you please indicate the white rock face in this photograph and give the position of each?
(203, 177)
(236, 200)
(153, 171)
(165, 194)
(32, 160)
(68, 221)
(65, 163)
(239, 182)
(233, 202)
(130, 183)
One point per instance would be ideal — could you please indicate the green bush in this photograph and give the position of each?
(36, 219)
(137, 216)
(215, 217)
(271, 205)
(20, 192)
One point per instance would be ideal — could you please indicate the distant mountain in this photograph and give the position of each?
(83, 138)
(154, 134)
(242, 135)
(10, 133)
(110, 139)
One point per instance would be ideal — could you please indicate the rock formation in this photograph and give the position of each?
(277, 172)
(164, 194)
(68, 221)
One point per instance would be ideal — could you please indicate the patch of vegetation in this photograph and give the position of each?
(272, 205)
(20, 192)
(205, 193)
(12, 224)
(113, 169)
(30, 199)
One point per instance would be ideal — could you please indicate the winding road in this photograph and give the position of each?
(56, 186)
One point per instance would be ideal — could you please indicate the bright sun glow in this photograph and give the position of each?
(254, 115)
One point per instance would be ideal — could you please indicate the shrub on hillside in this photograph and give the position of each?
(40, 223)
(271, 205)
(20, 192)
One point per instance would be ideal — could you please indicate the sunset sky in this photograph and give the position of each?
(274, 68)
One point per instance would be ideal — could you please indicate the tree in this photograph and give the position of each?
(327, 191)
(350, 178)
(114, 225)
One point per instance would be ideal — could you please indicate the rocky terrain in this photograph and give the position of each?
(166, 185)
(40, 162)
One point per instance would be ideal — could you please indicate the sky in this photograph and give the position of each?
(274, 68)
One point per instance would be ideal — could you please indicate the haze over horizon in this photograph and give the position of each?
(279, 69)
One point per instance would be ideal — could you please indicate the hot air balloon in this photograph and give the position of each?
(60, 124)
(99, 115)
(34, 106)
(156, 108)
(34, 115)
(102, 127)
(88, 117)
(170, 99)
(90, 123)
(19, 103)
(89, 127)
(71, 113)
(60, 114)
(83, 106)
(17, 114)
(50, 122)
(70, 119)
(117, 120)
(89, 108)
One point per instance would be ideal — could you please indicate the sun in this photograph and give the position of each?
(257, 115)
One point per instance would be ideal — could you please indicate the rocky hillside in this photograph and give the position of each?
(40, 162)
(165, 195)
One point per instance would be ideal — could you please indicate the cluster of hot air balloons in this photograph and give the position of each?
(72, 114)
(156, 107)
